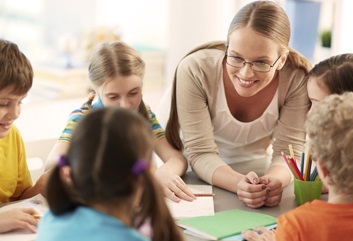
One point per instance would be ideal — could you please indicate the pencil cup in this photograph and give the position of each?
(306, 191)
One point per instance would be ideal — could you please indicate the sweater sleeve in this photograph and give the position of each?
(294, 106)
(194, 113)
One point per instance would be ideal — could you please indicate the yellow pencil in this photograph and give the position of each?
(36, 216)
(291, 152)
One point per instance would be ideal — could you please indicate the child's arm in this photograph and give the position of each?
(38, 188)
(60, 148)
(169, 174)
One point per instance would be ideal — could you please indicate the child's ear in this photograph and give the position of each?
(322, 170)
(65, 174)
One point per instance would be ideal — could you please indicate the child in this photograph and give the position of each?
(16, 76)
(116, 72)
(330, 76)
(330, 129)
(104, 187)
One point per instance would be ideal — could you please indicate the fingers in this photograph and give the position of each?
(273, 200)
(259, 234)
(30, 226)
(170, 195)
(252, 178)
(18, 219)
(30, 211)
(251, 191)
(274, 196)
(176, 190)
(183, 191)
(251, 235)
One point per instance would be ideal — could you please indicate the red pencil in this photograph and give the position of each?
(292, 166)
(296, 169)
(204, 194)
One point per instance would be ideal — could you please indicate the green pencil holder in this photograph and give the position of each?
(306, 191)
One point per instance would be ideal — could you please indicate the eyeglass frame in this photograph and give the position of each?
(251, 62)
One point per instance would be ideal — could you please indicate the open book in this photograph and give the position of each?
(201, 206)
(225, 224)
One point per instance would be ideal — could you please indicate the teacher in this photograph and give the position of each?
(240, 103)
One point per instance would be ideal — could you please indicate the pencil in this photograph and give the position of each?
(291, 168)
(302, 164)
(291, 152)
(205, 194)
(308, 166)
(296, 169)
(36, 216)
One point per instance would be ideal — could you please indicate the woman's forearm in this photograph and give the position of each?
(225, 177)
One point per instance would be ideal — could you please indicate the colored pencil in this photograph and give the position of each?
(291, 152)
(204, 194)
(314, 175)
(296, 169)
(291, 164)
(308, 166)
(302, 164)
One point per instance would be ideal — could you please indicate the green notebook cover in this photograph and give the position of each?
(226, 223)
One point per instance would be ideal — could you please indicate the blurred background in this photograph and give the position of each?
(58, 37)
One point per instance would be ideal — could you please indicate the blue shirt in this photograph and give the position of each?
(85, 223)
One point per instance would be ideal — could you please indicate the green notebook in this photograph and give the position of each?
(225, 224)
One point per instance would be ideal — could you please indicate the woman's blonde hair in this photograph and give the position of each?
(270, 20)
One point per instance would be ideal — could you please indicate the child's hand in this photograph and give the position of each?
(174, 187)
(260, 234)
(18, 218)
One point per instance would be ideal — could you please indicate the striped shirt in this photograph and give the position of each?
(77, 114)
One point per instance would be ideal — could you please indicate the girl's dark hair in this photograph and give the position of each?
(115, 59)
(104, 148)
(15, 68)
(336, 73)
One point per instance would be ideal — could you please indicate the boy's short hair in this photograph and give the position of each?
(330, 129)
(15, 68)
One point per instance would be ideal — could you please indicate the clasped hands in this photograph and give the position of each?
(256, 191)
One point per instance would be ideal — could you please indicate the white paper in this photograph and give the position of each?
(201, 206)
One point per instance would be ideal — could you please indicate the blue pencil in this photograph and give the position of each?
(302, 164)
(314, 175)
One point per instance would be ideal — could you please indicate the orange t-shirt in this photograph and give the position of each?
(317, 220)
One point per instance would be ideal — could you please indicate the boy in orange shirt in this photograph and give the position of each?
(330, 129)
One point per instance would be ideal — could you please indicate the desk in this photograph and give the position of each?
(225, 200)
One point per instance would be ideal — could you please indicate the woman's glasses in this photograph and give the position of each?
(258, 66)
